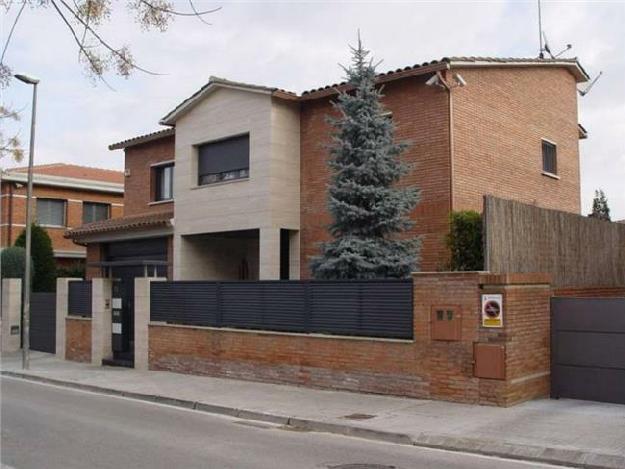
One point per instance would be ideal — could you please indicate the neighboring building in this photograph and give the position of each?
(251, 174)
(65, 196)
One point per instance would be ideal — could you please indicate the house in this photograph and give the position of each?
(246, 164)
(65, 196)
(145, 232)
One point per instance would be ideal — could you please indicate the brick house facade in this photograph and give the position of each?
(145, 218)
(481, 138)
(80, 193)
(476, 126)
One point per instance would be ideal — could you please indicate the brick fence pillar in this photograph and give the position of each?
(62, 295)
(142, 319)
(11, 310)
(525, 335)
(101, 338)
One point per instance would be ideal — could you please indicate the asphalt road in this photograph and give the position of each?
(51, 427)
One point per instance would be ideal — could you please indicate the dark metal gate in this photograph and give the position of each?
(588, 349)
(43, 322)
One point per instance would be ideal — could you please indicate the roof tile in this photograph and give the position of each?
(75, 171)
(135, 222)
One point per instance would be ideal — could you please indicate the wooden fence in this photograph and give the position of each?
(574, 249)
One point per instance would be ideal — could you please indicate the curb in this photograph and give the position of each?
(542, 454)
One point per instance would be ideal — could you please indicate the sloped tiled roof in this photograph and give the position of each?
(571, 64)
(446, 62)
(215, 82)
(143, 138)
(76, 172)
(130, 223)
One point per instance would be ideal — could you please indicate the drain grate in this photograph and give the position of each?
(359, 416)
(362, 466)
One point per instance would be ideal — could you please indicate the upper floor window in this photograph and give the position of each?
(550, 160)
(93, 211)
(51, 212)
(224, 160)
(164, 182)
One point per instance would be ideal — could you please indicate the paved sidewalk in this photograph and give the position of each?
(567, 432)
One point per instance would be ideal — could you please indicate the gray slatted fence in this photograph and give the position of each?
(376, 308)
(79, 298)
(43, 322)
(588, 348)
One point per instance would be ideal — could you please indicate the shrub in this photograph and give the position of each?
(42, 254)
(12, 262)
(465, 241)
(76, 270)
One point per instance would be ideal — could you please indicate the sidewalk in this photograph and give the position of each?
(567, 432)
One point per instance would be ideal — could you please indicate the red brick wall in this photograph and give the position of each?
(526, 335)
(500, 118)
(78, 339)
(138, 185)
(590, 292)
(421, 116)
(94, 254)
(73, 212)
(423, 368)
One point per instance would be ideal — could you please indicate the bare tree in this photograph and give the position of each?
(83, 20)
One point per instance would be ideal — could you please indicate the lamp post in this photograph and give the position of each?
(29, 195)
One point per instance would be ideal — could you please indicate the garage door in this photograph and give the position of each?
(43, 322)
(588, 349)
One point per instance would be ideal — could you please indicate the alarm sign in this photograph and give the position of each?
(492, 310)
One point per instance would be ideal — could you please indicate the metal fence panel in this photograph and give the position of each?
(193, 303)
(363, 308)
(43, 322)
(588, 348)
(79, 298)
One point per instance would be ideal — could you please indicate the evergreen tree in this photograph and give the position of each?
(44, 278)
(600, 207)
(368, 209)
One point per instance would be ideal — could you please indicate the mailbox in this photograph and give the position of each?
(446, 323)
(117, 325)
(489, 360)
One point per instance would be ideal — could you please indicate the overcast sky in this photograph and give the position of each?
(297, 46)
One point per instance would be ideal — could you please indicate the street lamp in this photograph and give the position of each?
(29, 195)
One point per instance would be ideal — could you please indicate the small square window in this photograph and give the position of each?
(550, 159)
(92, 211)
(51, 212)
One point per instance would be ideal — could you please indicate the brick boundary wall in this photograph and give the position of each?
(78, 339)
(419, 368)
(590, 292)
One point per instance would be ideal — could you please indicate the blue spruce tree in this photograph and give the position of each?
(367, 207)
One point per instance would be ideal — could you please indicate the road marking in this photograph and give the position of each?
(282, 427)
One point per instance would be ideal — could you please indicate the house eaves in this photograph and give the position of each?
(446, 63)
(65, 182)
(130, 142)
(572, 65)
(215, 83)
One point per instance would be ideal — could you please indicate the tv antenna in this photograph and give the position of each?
(586, 90)
(547, 48)
(542, 39)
